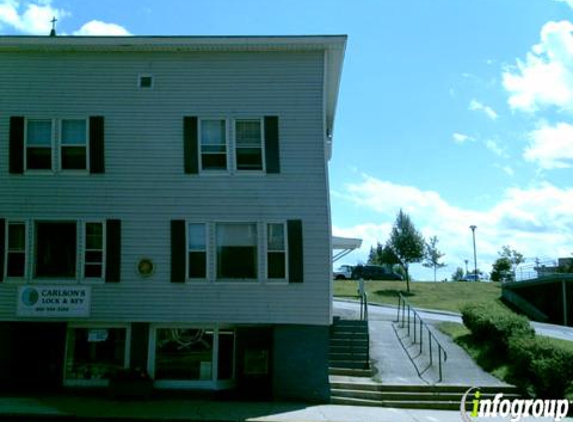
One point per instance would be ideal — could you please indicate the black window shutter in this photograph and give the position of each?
(190, 145)
(113, 251)
(272, 156)
(97, 149)
(16, 145)
(295, 252)
(2, 241)
(178, 251)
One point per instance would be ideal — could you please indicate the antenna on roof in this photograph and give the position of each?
(53, 31)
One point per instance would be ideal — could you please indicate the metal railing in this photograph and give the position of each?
(364, 306)
(407, 315)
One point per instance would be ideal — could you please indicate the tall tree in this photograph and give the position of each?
(433, 256)
(514, 257)
(458, 274)
(406, 244)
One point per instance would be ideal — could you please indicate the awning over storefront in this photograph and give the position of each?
(342, 246)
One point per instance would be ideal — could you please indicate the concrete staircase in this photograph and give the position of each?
(442, 397)
(349, 348)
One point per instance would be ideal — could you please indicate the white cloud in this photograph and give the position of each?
(508, 170)
(96, 27)
(551, 147)
(460, 138)
(537, 222)
(569, 2)
(35, 18)
(494, 147)
(29, 18)
(545, 77)
(488, 111)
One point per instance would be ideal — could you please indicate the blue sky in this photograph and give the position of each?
(460, 112)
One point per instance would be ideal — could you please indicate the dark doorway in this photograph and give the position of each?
(37, 355)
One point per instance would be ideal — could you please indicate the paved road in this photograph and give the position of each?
(387, 313)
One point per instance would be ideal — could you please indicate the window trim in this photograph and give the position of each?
(102, 382)
(52, 168)
(207, 277)
(6, 277)
(268, 279)
(60, 146)
(236, 169)
(84, 249)
(226, 171)
(213, 383)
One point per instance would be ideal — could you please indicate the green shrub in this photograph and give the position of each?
(495, 325)
(541, 365)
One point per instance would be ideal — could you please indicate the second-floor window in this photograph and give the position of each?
(197, 250)
(39, 141)
(16, 253)
(73, 144)
(93, 253)
(249, 144)
(237, 251)
(55, 249)
(276, 251)
(213, 145)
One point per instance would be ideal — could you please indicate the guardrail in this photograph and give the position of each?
(407, 315)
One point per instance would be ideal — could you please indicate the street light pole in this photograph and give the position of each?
(474, 227)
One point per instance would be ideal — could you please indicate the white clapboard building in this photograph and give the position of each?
(164, 205)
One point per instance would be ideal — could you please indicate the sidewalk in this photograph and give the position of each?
(58, 408)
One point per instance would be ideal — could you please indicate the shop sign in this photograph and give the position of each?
(54, 301)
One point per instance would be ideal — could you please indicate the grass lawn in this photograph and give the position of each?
(449, 296)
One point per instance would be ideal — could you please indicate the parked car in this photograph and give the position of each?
(344, 272)
(374, 272)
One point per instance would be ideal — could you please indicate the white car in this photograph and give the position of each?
(344, 272)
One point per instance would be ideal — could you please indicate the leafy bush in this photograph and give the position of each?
(493, 324)
(541, 365)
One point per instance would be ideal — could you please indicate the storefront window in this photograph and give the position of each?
(184, 354)
(95, 353)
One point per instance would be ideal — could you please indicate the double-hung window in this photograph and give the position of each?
(16, 252)
(73, 144)
(39, 135)
(276, 251)
(237, 251)
(94, 251)
(249, 144)
(197, 250)
(213, 144)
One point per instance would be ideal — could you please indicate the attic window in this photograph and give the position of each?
(146, 81)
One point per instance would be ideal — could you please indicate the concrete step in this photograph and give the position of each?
(351, 372)
(359, 354)
(348, 328)
(349, 348)
(350, 323)
(349, 341)
(347, 335)
(434, 405)
(422, 388)
(350, 364)
(409, 396)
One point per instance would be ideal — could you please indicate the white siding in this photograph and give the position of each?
(144, 184)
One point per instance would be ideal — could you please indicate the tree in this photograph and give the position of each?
(515, 258)
(501, 270)
(433, 255)
(458, 274)
(405, 245)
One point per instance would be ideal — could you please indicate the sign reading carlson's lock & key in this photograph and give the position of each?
(54, 301)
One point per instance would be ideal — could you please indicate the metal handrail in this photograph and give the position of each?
(364, 306)
(403, 318)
